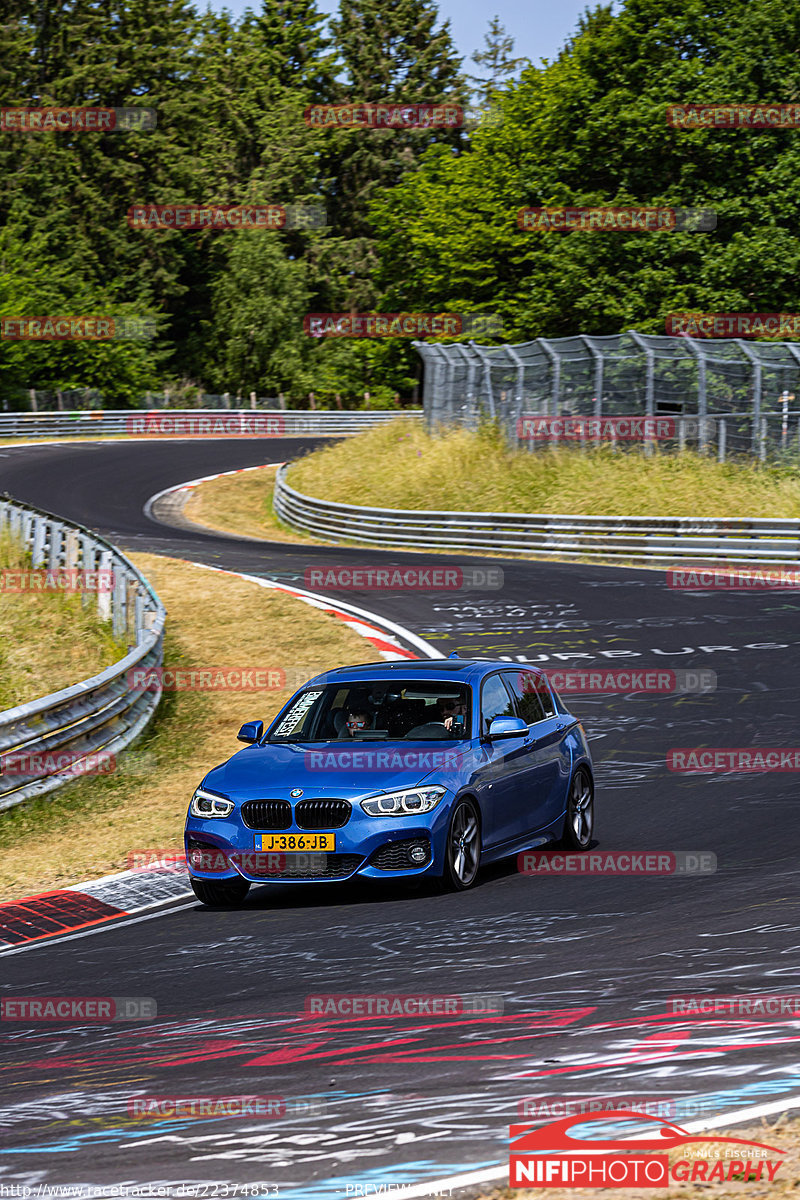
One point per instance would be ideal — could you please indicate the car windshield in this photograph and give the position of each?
(397, 710)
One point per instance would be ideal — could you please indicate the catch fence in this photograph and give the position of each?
(727, 396)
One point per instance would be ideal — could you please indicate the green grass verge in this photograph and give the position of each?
(400, 465)
(48, 640)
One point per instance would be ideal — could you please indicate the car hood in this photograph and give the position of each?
(337, 768)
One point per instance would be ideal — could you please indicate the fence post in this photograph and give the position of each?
(762, 447)
(226, 399)
(281, 401)
(681, 433)
(721, 441)
(252, 400)
(32, 394)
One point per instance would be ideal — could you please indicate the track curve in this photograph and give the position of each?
(586, 965)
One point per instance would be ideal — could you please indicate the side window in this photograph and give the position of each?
(525, 689)
(543, 688)
(495, 702)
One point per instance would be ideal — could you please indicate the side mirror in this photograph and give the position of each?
(250, 732)
(506, 727)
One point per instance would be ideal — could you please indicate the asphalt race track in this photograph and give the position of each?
(585, 965)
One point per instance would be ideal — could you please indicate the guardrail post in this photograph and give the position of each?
(131, 596)
(56, 532)
(71, 549)
(39, 535)
(139, 611)
(104, 597)
(118, 614)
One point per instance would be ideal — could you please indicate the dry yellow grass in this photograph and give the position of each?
(240, 504)
(215, 620)
(400, 465)
(784, 1134)
(48, 640)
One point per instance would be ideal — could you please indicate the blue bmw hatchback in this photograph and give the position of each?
(394, 770)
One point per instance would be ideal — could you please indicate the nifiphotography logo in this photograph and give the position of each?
(550, 1156)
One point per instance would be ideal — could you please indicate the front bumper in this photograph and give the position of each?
(371, 847)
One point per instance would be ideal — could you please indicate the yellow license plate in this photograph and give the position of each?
(295, 843)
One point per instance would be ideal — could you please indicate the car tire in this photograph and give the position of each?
(462, 853)
(579, 821)
(220, 893)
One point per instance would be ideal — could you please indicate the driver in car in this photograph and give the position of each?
(357, 719)
(453, 713)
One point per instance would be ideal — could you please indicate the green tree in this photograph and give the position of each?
(497, 60)
(588, 129)
(256, 337)
(393, 51)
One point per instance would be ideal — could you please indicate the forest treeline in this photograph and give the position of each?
(417, 219)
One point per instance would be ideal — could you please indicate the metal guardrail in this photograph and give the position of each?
(101, 713)
(641, 538)
(195, 422)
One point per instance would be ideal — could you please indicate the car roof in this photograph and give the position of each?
(466, 670)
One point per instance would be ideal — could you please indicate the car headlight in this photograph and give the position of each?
(404, 804)
(206, 804)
